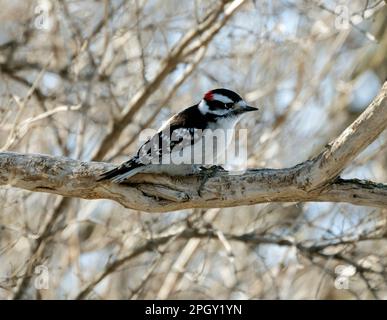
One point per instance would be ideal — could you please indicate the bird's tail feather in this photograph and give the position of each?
(122, 172)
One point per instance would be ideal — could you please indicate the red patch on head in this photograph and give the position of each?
(209, 96)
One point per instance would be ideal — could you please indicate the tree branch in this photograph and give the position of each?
(161, 193)
(312, 180)
(340, 152)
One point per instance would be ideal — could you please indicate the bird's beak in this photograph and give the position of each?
(242, 107)
(248, 109)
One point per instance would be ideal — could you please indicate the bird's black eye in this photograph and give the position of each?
(228, 105)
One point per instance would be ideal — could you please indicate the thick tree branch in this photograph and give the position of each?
(313, 180)
(351, 142)
(160, 193)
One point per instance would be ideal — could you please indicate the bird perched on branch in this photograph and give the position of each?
(218, 111)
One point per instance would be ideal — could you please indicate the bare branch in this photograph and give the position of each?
(161, 193)
(340, 152)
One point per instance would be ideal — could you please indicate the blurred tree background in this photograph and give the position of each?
(82, 79)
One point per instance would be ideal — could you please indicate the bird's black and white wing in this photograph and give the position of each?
(178, 133)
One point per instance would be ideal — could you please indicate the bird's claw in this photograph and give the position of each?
(213, 168)
(207, 173)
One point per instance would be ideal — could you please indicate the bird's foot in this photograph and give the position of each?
(212, 168)
(207, 173)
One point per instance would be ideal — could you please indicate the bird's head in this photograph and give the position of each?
(224, 103)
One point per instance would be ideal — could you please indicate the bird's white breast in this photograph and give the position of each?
(212, 146)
